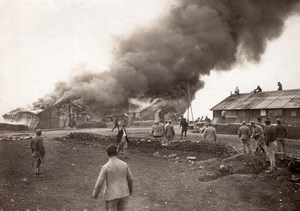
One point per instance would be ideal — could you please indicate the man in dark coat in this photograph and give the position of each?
(184, 126)
(116, 125)
(122, 141)
(38, 151)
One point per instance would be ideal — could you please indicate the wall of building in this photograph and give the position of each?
(60, 116)
(288, 116)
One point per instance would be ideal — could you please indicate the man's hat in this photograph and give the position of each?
(278, 120)
(38, 131)
(244, 123)
(268, 120)
(252, 122)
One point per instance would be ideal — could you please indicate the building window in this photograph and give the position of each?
(241, 113)
(275, 112)
(293, 113)
(231, 113)
(263, 112)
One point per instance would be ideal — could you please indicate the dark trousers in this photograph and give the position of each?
(183, 131)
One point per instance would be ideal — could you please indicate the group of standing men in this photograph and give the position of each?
(161, 131)
(267, 138)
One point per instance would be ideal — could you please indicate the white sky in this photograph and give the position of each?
(42, 42)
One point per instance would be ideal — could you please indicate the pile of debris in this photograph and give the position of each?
(219, 149)
(246, 164)
(16, 137)
(13, 127)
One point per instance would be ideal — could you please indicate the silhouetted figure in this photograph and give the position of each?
(258, 89)
(279, 86)
(116, 125)
(237, 91)
(38, 151)
(184, 126)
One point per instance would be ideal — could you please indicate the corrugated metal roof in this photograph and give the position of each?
(262, 100)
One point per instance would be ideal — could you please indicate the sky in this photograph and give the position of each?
(44, 42)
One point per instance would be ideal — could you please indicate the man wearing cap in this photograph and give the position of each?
(158, 130)
(118, 181)
(170, 132)
(281, 134)
(122, 141)
(38, 151)
(245, 134)
(184, 126)
(210, 133)
(259, 122)
(258, 136)
(270, 140)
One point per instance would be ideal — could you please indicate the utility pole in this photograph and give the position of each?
(190, 104)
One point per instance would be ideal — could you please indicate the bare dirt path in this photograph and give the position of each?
(71, 168)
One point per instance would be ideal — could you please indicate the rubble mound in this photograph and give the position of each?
(245, 164)
(12, 127)
(92, 125)
(219, 149)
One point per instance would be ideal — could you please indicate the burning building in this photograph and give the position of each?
(169, 59)
(152, 110)
(59, 115)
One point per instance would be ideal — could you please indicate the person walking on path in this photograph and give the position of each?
(170, 132)
(118, 181)
(210, 133)
(116, 125)
(38, 152)
(184, 126)
(270, 139)
(281, 134)
(122, 141)
(244, 135)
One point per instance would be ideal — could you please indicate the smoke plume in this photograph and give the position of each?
(193, 38)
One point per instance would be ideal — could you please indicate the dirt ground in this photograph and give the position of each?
(72, 167)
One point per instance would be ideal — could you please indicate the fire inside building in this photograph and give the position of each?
(284, 104)
(150, 110)
(59, 115)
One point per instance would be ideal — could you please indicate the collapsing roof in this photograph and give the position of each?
(261, 100)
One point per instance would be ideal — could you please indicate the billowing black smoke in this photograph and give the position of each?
(194, 37)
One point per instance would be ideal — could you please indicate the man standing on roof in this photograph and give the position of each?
(237, 91)
(258, 89)
(245, 134)
(279, 86)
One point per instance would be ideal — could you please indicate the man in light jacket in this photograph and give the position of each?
(270, 140)
(170, 132)
(117, 177)
(245, 134)
(210, 133)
